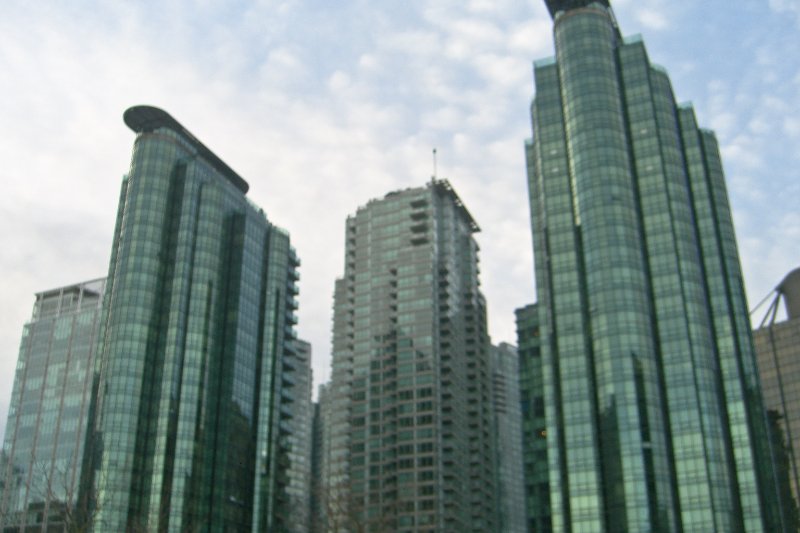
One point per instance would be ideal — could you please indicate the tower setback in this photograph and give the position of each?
(653, 405)
(411, 447)
(197, 325)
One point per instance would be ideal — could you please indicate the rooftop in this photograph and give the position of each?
(554, 6)
(444, 188)
(143, 118)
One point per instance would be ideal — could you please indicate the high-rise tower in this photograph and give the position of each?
(653, 404)
(778, 350)
(508, 438)
(319, 462)
(411, 448)
(299, 473)
(534, 426)
(43, 451)
(198, 321)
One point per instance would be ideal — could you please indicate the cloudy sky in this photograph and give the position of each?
(322, 105)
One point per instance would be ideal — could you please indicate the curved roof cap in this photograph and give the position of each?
(554, 6)
(791, 278)
(790, 288)
(144, 118)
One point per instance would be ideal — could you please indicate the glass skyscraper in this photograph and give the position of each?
(320, 463)
(300, 438)
(534, 422)
(192, 410)
(43, 452)
(411, 446)
(319, 449)
(508, 439)
(653, 405)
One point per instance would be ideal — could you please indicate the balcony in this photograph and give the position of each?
(419, 228)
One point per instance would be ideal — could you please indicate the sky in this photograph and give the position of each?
(322, 106)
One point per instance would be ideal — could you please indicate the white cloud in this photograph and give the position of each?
(652, 19)
(503, 70)
(758, 125)
(283, 67)
(741, 150)
(724, 122)
(446, 118)
(482, 6)
(415, 43)
(791, 125)
(339, 81)
(782, 6)
(653, 15)
(533, 38)
(368, 61)
(477, 34)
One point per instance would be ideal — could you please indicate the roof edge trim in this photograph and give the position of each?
(145, 119)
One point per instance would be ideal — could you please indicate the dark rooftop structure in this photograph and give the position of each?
(143, 118)
(554, 6)
(790, 289)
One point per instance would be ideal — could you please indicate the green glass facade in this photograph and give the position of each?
(300, 438)
(191, 431)
(410, 438)
(43, 451)
(534, 422)
(508, 439)
(652, 398)
(320, 453)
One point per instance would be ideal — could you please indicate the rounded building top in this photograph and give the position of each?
(790, 289)
(145, 118)
(554, 6)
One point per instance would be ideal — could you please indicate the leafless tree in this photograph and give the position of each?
(345, 513)
(52, 496)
